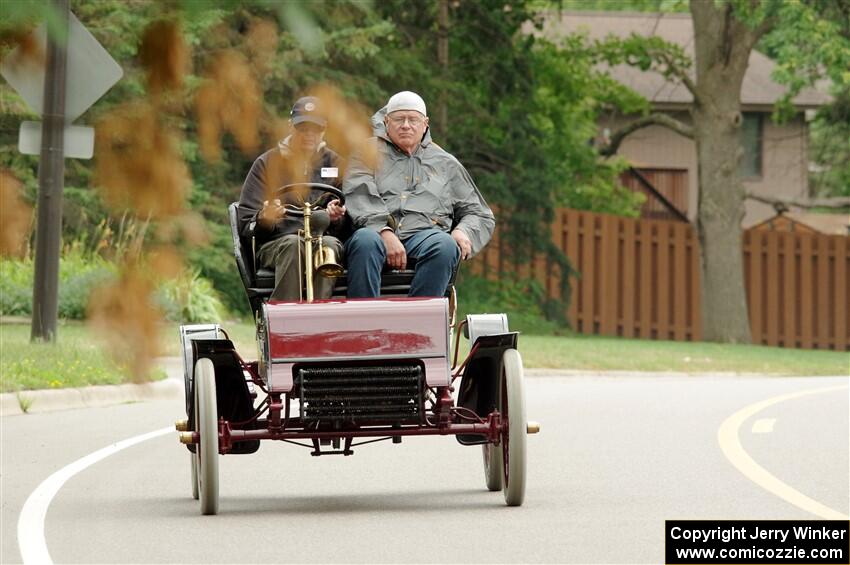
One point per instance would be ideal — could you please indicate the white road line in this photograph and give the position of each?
(31, 542)
(763, 426)
(730, 444)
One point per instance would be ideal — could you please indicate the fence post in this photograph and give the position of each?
(842, 290)
(629, 277)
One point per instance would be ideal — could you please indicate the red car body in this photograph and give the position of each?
(355, 330)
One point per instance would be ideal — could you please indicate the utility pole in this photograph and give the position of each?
(443, 60)
(51, 181)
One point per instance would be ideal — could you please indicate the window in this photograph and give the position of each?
(751, 141)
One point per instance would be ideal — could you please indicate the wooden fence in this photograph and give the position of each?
(640, 278)
(798, 288)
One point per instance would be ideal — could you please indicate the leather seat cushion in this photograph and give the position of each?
(265, 278)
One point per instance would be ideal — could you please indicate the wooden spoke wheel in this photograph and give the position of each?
(493, 467)
(206, 423)
(194, 462)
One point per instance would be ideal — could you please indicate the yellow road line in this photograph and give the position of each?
(763, 426)
(727, 436)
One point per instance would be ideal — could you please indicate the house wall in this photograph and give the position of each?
(784, 161)
(784, 166)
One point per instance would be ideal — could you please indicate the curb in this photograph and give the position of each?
(51, 400)
(88, 397)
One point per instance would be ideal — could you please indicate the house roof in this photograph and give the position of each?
(758, 88)
(831, 224)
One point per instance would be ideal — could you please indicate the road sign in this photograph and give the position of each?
(78, 144)
(91, 71)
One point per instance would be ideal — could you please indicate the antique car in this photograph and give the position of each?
(335, 374)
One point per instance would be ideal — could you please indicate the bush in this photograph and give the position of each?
(78, 275)
(187, 299)
(521, 300)
(215, 263)
(16, 287)
(190, 298)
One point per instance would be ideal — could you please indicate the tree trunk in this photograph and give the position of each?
(721, 209)
(722, 48)
(443, 60)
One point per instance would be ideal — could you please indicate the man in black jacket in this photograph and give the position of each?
(303, 156)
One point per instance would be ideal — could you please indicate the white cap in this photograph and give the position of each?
(406, 100)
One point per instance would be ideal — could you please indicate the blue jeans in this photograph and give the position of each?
(436, 255)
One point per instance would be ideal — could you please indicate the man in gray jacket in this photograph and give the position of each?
(420, 203)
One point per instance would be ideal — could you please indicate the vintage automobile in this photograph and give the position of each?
(335, 374)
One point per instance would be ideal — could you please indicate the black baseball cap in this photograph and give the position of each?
(307, 109)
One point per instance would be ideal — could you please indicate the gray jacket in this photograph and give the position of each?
(414, 192)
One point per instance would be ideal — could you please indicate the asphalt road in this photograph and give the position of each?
(615, 458)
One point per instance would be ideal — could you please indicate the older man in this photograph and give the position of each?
(420, 203)
(303, 156)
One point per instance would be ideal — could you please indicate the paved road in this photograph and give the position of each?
(617, 456)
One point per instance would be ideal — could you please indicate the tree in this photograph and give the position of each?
(723, 41)
(521, 113)
(725, 33)
(806, 50)
(520, 116)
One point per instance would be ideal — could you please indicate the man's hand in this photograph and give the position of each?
(463, 242)
(396, 255)
(272, 213)
(335, 210)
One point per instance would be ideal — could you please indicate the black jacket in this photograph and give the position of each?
(273, 170)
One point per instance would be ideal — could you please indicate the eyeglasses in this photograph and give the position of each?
(414, 121)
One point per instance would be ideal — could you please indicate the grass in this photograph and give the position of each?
(611, 353)
(75, 360)
(598, 353)
(242, 333)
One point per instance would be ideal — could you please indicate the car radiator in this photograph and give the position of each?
(366, 394)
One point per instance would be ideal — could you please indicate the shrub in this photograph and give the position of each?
(215, 263)
(187, 299)
(521, 300)
(16, 287)
(79, 275)
(190, 298)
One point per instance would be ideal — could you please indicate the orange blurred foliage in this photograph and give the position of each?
(347, 133)
(139, 165)
(230, 100)
(15, 217)
(165, 261)
(21, 47)
(187, 228)
(127, 318)
(261, 43)
(348, 125)
(164, 55)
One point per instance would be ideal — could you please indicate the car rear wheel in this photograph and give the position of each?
(492, 466)
(206, 423)
(512, 407)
